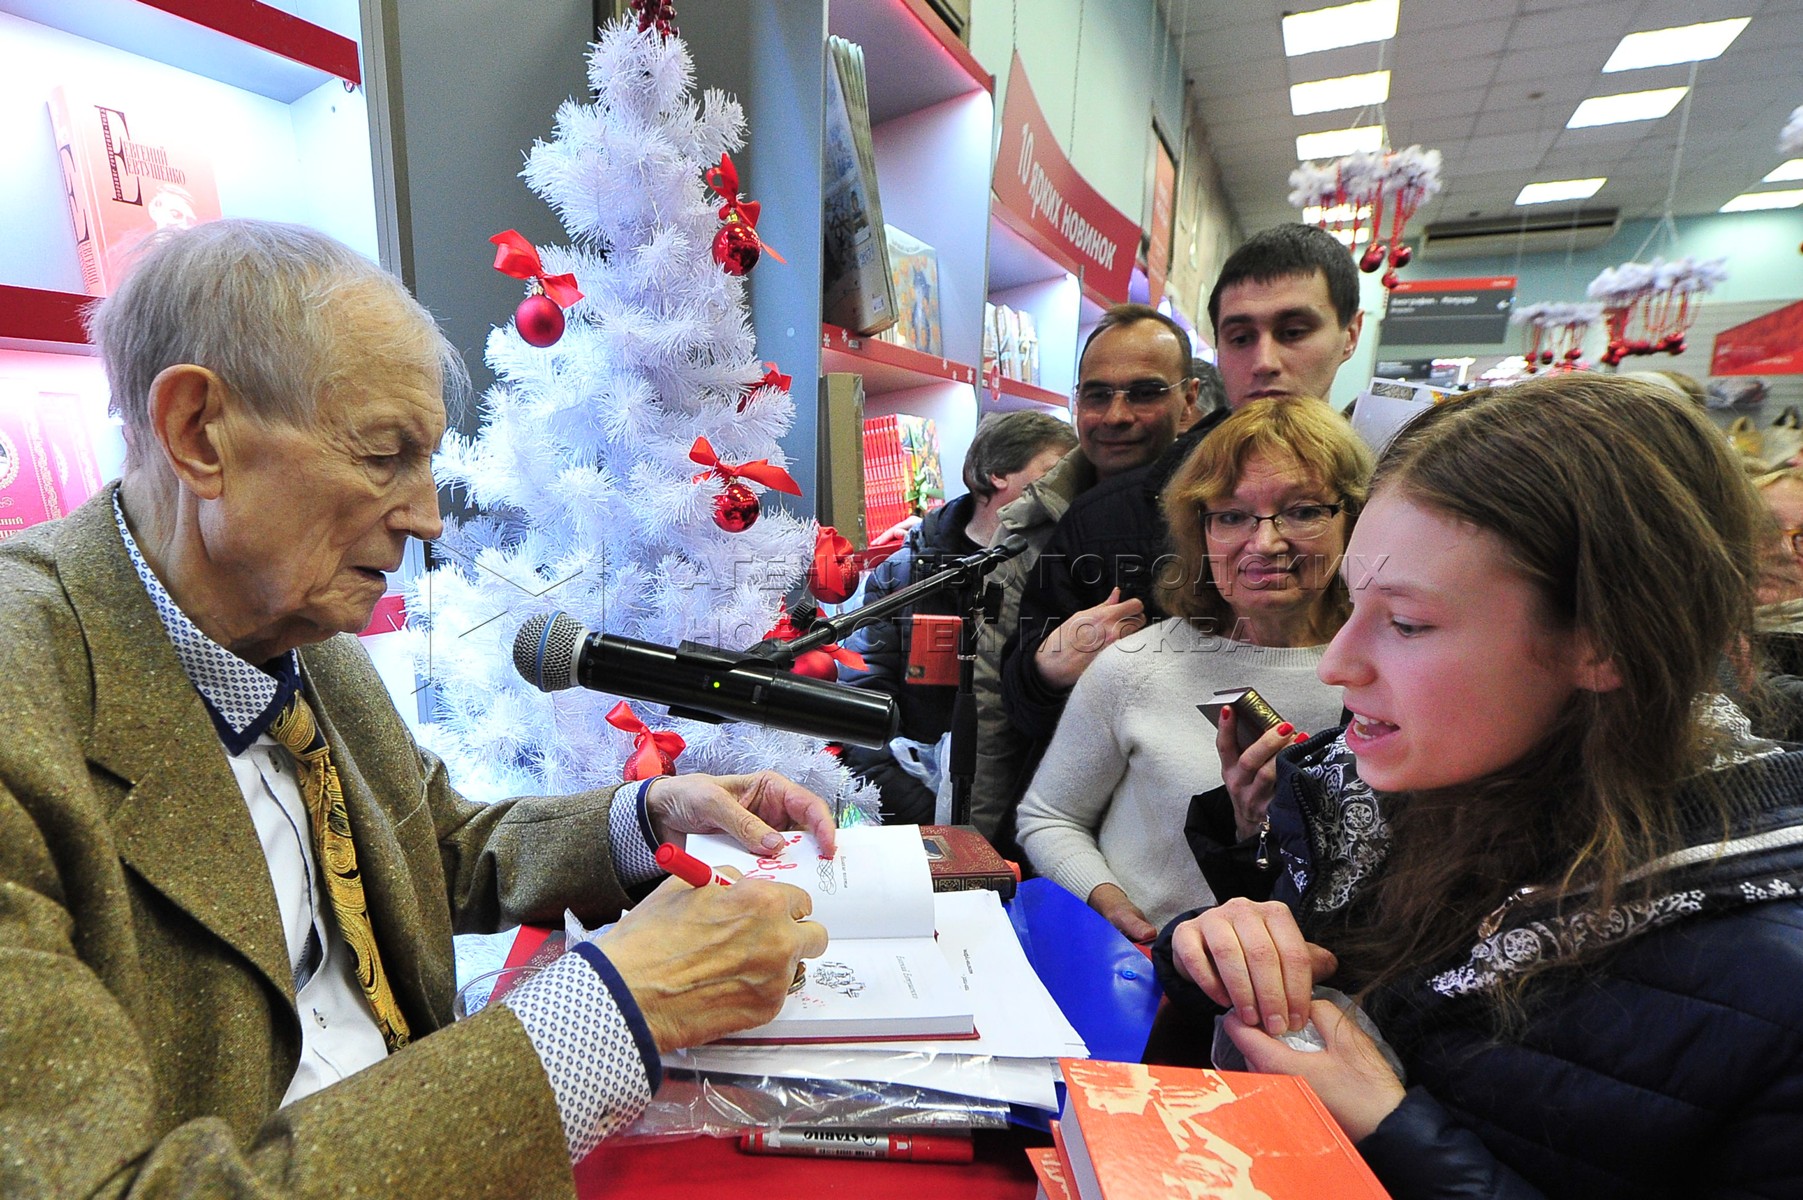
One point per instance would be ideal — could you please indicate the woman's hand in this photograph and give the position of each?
(1122, 913)
(1251, 776)
(1350, 1076)
(1250, 957)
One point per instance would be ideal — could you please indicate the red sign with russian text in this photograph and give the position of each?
(1068, 219)
(1767, 345)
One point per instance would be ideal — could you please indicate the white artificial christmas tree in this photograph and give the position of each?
(581, 471)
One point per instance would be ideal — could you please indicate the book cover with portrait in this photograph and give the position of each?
(131, 165)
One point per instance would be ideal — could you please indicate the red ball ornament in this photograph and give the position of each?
(817, 664)
(736, 247)
(736, 508)
(1372, 258)
(1676, 348)
(539, 320)
(1400, 256)
(1546, 356)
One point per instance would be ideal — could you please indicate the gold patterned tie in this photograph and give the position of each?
(296, 729)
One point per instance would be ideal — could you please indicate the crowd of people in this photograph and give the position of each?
(1514, 883)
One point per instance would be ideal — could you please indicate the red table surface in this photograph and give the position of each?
(684, 1167)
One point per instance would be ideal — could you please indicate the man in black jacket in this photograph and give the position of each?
(1285, 313)
(1009, 452)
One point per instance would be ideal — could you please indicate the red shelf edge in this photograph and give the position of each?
(875, 350)
(273, 30)
(35, 315)
(1032, 391)
(935, 24)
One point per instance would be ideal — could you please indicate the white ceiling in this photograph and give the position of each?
(1490, 84)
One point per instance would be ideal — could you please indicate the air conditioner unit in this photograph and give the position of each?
(1536, 233)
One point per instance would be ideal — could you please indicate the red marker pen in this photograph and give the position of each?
(688, 868)
(847, 1143)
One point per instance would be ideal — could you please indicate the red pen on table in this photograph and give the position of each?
(688, 868)
(845, 1143)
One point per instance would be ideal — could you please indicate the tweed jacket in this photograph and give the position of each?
(147, 1020)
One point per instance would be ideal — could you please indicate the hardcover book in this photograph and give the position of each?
(46, 459)
(962, 860)
(914, 272)
(131, 166)
(1050, 1172)
(882, 976)
(1130, 1130)
(858, 293)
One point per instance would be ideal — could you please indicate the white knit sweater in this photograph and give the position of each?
(1108, 802)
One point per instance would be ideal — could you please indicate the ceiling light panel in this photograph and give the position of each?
(1785, 170)
(1626, 106)
(1347, 91)
(1681, 44)
(1755, 201)
(1334, 143)
(1559, 189)
(1344, 25)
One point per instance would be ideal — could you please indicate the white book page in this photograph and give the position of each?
(1016, 1016)
(877, 885)
(872, 988)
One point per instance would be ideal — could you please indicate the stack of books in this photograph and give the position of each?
(919, 992)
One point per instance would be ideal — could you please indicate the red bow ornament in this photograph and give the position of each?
(773, 378)
(737, 244)
(833, 575)
(539, 317)
(759, 470)
(653, 751)
(819, 663)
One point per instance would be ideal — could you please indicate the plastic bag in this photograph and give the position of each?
(713, 1104)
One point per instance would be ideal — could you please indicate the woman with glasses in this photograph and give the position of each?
(1259, 515)
(1555, 868)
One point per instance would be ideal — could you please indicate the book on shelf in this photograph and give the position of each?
(857, 291)
(47, 463)
(962, 860)
(840, 469)
(914, 274)
(131, 165)
(1129, 1130)
(885, 475)
(882, 976)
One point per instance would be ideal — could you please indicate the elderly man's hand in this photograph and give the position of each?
(750, 808)
(706, 962)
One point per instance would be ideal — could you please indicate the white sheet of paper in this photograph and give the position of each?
(877, 885)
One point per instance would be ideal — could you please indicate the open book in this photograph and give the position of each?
(882, 976)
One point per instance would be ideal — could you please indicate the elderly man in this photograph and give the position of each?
(228, 876)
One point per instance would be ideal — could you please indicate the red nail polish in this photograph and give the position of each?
(1301, 738)
(1285, 729)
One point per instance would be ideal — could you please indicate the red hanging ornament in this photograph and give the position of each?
(736, 244)
(772, 379)
(736, 247)
(1372, 258)
(834, 573)
(539, 317)
(655, 14)
(737, 508)
(653, 752)
(539, 320)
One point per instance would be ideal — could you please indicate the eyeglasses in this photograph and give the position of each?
(1297, 521)
(1144, 393)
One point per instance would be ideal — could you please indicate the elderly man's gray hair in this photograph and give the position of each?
(271, 308)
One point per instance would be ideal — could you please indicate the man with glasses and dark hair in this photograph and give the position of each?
(1135, 397)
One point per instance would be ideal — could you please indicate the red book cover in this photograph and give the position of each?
(1052, 1183)
(1132, 1130)
(46, 460)
(131, 165)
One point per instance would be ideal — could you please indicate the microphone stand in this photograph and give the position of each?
(978, 599)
